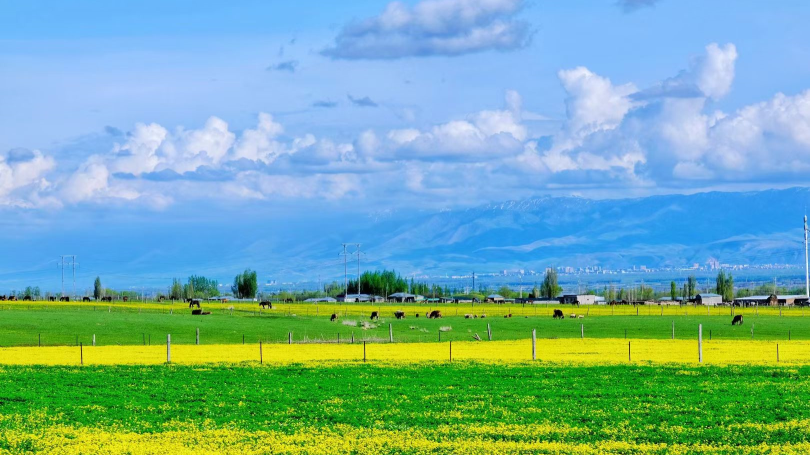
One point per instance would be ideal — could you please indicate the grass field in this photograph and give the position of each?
(23, 324)
(369, 409)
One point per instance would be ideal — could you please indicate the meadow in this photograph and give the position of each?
(63, 324)
(463, 407)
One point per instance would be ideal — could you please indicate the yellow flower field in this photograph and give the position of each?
(65, 440)
(575, 351)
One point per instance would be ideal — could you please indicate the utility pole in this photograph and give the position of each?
(358, 268)
(62, 294)
(345, 274)
(473, 277)
(73, 262)
(806, 264)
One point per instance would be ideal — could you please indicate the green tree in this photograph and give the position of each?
(673, 290)
(550, 287)
(176, 291)
(691, 286)
(725, 286)
(245, 285)
(98, 291)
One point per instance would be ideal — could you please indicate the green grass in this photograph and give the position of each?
(638, 404)
(128, 326)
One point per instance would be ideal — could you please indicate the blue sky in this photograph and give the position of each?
(124, 110)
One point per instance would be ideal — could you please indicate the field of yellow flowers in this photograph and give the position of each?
(573, 351)
(464, 407)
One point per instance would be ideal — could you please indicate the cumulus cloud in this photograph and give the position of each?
(614, 136)
(288, 65)
(629, 6)
(362, 102)
(433, 27)
(22, 176)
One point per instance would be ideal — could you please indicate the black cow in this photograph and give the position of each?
(85, 299)
(333, 318)
(107, 299)
(265, 304)
(194, 302)
(558, 314)
(738, 320)
(375, 315)
(27, 298)
(435, 314)
(399, 314)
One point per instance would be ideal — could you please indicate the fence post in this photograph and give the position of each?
(338, 337)
(489, 331)
(352, 337)
(700, 343)
(582, 330)
(81, 353)
(289, 337)
(243, 338)
(261, 358)
(94, 339)
(440, 335)
(39, 337)
(198, 335)
(788, 335)
(673, 330)
(169, 348)
(534, 344)
(390, 333)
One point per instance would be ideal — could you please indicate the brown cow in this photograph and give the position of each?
(375, 315)
(558, 314)
(399, 314)
(192, 303)
(126, 299)
(333, 318)
(435, 314)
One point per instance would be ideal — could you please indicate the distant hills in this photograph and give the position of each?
(673, 230)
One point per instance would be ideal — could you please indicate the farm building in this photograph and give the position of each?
(405, 297)
(360, 298)
(462, 299)
(771, 300)
(582, 299)
(495, 298)
(670, 301)
(709, 299)
(321, 300)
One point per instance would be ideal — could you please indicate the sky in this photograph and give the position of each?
(132, 111)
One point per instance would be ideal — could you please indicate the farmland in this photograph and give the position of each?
(450, 408)
(281, 381)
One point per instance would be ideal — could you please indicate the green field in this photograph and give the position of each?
(69, 325)
(458, 408)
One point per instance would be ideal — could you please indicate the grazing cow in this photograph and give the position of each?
(126, 299)
(468, 316)
(265, 304)
(13, 298)
(435, 314)
(105, 299)
(375, 315)
(333, 318)
(288, 300)
(738, 320)
(27, 298)
(50, 299)
(192, 303)
(161, 298)
(64, 299)
(85, 299)
(2, 298)
(399, 314)
(558, 314)
(483, 316)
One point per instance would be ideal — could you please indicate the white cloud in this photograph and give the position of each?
(433, 27)
(23, 171)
